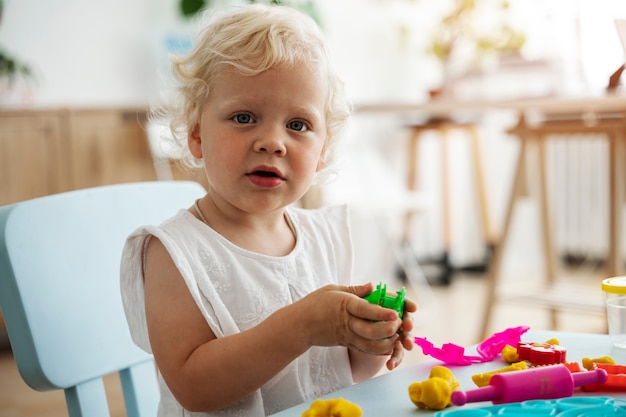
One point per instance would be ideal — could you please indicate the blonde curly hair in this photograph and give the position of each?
(252, 39)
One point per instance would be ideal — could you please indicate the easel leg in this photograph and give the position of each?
(546, 229)
(446, 276)
(411, 178)
(493, 272)
(481, 191)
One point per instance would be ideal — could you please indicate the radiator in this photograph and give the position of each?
(578, 186)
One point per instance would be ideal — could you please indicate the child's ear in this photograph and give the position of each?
(194, 141)
(321, 163)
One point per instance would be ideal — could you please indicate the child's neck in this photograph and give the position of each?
(265, 233)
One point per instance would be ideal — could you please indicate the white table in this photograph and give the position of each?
(387, 395)
(584, 104)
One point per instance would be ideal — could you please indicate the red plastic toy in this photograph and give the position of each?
(615, 382)
(541, 353)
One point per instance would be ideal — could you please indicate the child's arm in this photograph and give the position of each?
(206, 373)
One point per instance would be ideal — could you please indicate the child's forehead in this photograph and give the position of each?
(297, 87)
(226, 73)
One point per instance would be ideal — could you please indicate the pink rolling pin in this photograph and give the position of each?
(545, 382)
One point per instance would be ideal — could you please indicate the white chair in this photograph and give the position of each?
(60, 296)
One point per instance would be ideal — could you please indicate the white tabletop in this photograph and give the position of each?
(387, 395)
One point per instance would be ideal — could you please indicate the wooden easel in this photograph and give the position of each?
(611, 125)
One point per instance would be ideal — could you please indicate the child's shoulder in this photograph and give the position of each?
(339, 212)
(327, 217)
(182, 215)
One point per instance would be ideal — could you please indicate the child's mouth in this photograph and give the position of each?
(265, 179)
(265, 174)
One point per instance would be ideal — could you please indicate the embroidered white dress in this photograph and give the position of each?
(235, 289)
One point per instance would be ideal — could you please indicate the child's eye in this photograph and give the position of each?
(243, 118)
(297, 125)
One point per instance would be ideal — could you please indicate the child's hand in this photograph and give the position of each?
(405, 341)
(337, 315)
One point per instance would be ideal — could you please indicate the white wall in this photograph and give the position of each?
(88, 52)
(92, 52)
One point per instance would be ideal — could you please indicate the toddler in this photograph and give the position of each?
(243, 299)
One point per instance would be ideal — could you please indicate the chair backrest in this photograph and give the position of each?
(60, 293)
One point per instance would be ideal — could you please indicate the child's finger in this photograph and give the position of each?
(360, 290)
(396, 356)
(410, 306)
(374, 330)
(361, 308)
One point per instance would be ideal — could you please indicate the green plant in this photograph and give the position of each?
(11, 68)
(189, 8)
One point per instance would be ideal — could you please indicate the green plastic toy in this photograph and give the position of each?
(379, 296)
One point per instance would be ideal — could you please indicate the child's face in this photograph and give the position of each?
(262, 136)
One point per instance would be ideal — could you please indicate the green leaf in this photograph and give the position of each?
(190, 8)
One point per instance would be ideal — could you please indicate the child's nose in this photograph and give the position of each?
(271, 142)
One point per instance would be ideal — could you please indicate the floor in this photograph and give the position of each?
(448, 314)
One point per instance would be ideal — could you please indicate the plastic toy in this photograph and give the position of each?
(564, 407)
(588, 364)
(434, 393)
(379, 296)
(493, 345)
(545, 382)
(482, 380)
(509, 354)
(449, 353)
(336, 407)
(487, 350)
(541, 353)
(616, 379)
(572, 366)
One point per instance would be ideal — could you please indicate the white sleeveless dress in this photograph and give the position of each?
(235, 289)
